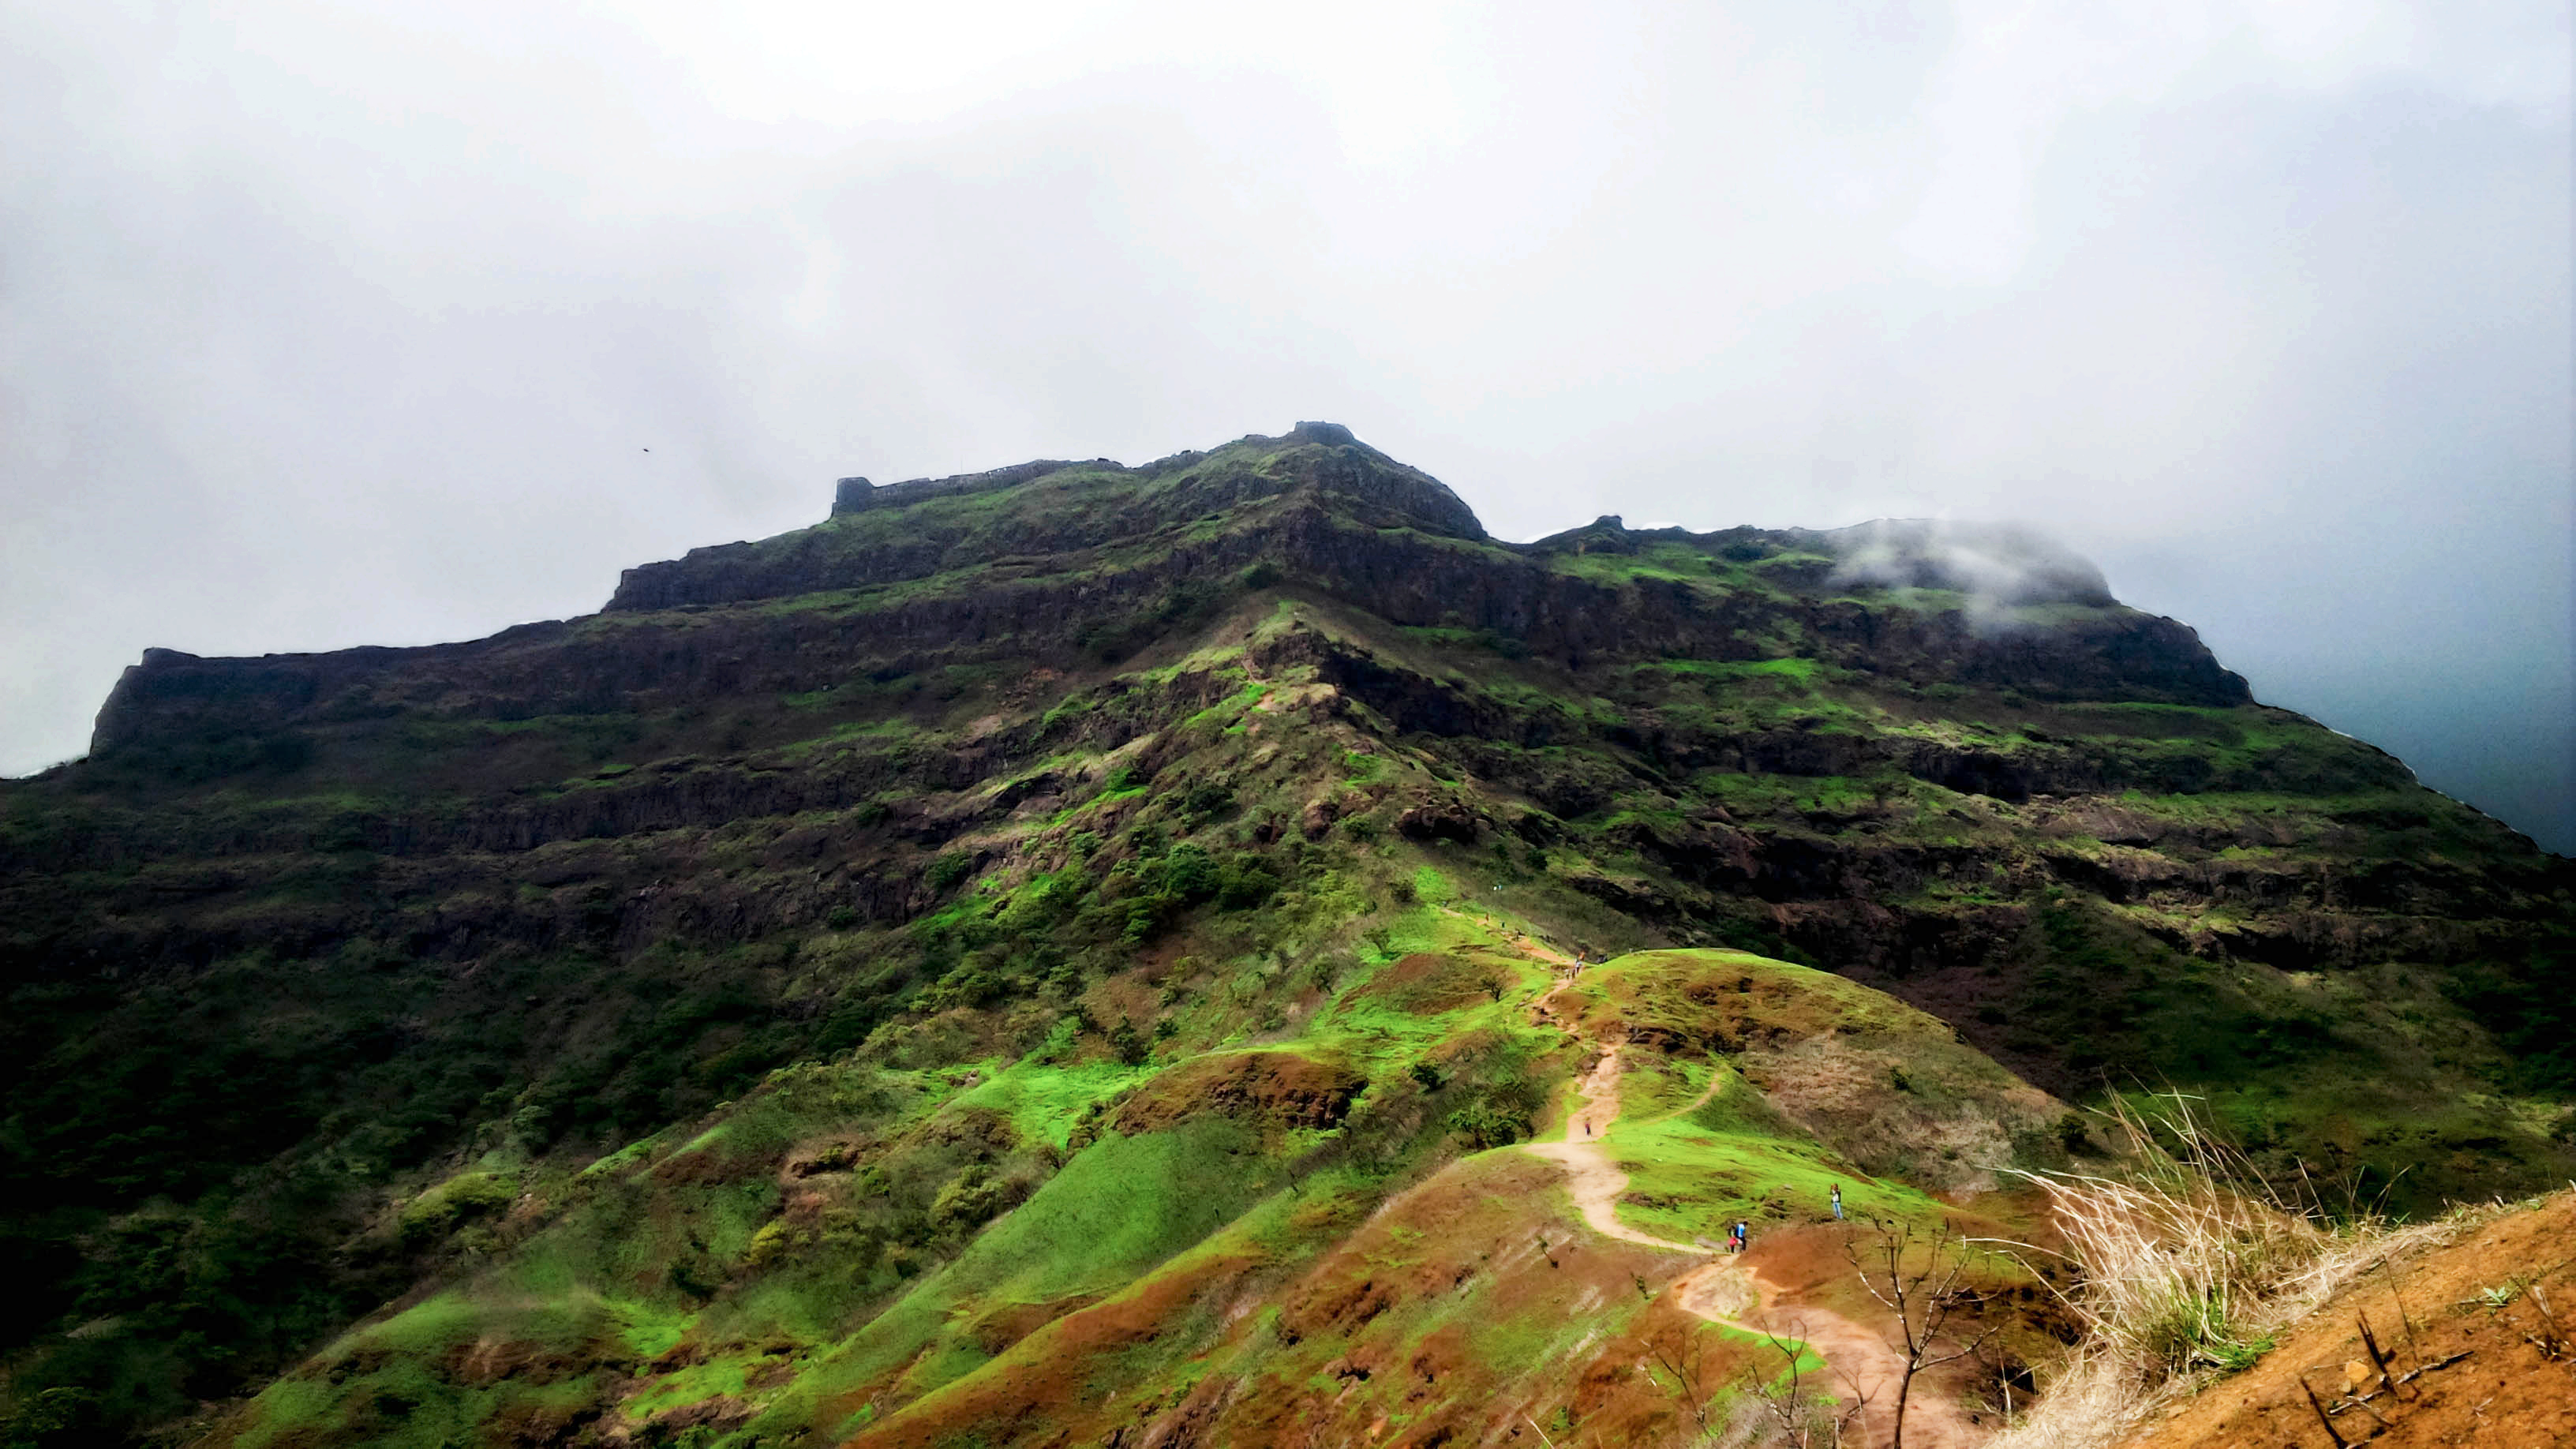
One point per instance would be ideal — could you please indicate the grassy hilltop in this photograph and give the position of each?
(1067, 955)
(1315, 1234)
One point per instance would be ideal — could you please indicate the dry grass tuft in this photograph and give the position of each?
(2092, 1399)
(2188, 1270)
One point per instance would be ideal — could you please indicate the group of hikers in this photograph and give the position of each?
(1740, 1232)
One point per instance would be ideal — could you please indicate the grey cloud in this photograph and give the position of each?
(323, 326)
(2000, 567)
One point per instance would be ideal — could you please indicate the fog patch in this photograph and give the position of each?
(2000, 567)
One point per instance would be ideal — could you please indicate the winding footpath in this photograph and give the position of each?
(1595, 1180)
(1734, 1292)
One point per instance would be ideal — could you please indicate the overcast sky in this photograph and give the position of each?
(327, 324)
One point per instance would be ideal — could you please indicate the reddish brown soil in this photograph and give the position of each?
(1287, 1089)
(1591, 1177)
(2507, 1394)
(1368, 1345)
(1032, 1392)
(1127, 996)
(1809, 1290)
(1797, 1282)
(1428, 983)
(489, 1360)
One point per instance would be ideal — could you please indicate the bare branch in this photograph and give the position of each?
(1923, 1301)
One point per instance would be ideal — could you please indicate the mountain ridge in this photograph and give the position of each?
(927, 840)
(805, 562)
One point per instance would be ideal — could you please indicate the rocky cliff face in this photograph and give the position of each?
(1075, 748)
(1052, 550)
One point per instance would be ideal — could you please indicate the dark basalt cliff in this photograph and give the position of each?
(1097, 541)
(995, 768)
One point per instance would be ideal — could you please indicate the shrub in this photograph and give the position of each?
(1503, 1111)
(2070, 1132)
(1207, 801)
(459, 1200)
(1486, 1125)
(1128, 1042)
(1189, 873)
(976, 1196)
(970, 983)
(1146, 916)
(1244, 885)
(64, 1416)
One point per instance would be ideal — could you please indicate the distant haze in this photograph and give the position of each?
(324, 325)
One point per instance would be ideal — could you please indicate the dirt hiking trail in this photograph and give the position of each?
(1595, 1180)
(1758, 1290)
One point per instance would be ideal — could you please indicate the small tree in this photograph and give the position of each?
(1925, 1299)
(1678, 1352)
(1799, 1416)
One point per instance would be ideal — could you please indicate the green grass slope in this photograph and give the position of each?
(1248, 1236)
(660, 1010)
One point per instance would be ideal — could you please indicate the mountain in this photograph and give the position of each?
(1065, 955)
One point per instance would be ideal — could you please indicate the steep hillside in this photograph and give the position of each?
(1317, 1237)
(985, 959)
(2477, 1336)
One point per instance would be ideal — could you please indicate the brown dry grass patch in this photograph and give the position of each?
(1275, 1088)
(1428, 983)
(2426, 1300)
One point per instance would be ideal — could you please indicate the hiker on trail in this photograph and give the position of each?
(1838, 1202)
(1738, 1233)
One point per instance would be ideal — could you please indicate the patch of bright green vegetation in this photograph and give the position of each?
(1233, 705)
(1792, 559)
(1282, 1227)
(1911, 600)
(1760, 794)
(1659, 989)
(1663, 560)
(1791, 668)
(1120, 1207)
(396, 1362)
(1701, 1147)
(1044, 1103)
(1688, 1182)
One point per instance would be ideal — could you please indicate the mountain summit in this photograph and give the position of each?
(1076, 953)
